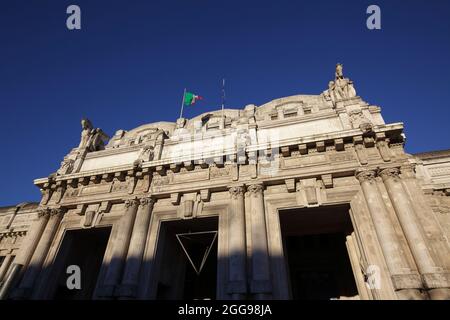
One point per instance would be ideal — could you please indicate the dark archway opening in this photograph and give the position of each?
(83, 248)
(177, 278)
(316, 256)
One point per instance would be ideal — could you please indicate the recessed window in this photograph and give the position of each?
(290, 114)
(213, 125)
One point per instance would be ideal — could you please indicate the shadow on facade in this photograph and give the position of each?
(316, 257)
(176, 276)
(315, 263)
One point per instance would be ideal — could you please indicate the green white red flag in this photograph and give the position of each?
(190, 98)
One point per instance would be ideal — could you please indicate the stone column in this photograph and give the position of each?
(26, 249)
(32, 238)
(407, 284)
(130, 280)
(237, 285)
(5, 266)
(33, 269)
(120, 249)
(431, 273)
(260, 284)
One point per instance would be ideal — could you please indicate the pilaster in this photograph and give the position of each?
(260, 284)
(128, 288)
(120, 249)
(406, 282)
(432, 275)
(237, 280)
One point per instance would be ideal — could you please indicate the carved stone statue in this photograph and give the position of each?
(147, 153)
(330, 93)
(66, 166)
(86, 132)
(341, 87)
(91, 139)
(97, 140)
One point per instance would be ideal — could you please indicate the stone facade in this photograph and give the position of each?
(241, 168)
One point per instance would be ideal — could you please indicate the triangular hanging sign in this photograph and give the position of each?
(197, 246)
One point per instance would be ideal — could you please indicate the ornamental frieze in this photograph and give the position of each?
(216, 172)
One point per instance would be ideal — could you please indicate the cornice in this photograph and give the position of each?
(200, 157)
(114, 151)
(322, 114)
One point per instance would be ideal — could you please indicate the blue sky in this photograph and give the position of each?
(129, 63)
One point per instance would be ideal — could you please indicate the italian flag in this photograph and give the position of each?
(190, 98)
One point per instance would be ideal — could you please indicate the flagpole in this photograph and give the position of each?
(182, 103)
(223, 99)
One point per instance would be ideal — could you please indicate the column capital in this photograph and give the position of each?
(145, 201)
(48, 212)
(131, 202)
(389, 173)
(43, 212)
(57, 211)
(255, 189)
(236, 191)
(365, 175)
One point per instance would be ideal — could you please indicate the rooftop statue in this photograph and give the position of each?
(91, 139)
(341, 88)
(86, 132)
